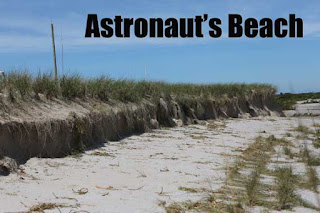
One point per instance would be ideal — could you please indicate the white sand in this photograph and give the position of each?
(142, 170)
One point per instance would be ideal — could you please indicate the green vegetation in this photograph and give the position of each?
(45, 84)
(23, 84)
(252, 186)
(191, 190)
(287, 151)
(303, 129)
(20, 82)
(248, 182)
(286, 183)
(47, 206)
(288, 100)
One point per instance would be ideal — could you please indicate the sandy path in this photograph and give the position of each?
(134, 175)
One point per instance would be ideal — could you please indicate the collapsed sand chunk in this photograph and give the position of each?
(7, 165)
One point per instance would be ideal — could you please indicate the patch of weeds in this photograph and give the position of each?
(303, 129)
(46, 206)
(313, 161)
(248, 190)
(234, 170)
(262, 148)
(45, 84)
(100, 88)
(310, 159)
(174, 208)
(306, 204)
(208, 205)
(286, 183)
(162, 203)
(102, 154)
(191, 190)
(252, 186)
(316, 143)
(19, 81)
(302, 137)
(287, 151)
(313, 180)
(73, 86)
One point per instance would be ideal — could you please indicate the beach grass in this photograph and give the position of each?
(23, 84)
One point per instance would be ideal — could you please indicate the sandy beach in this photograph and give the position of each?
(142, 173)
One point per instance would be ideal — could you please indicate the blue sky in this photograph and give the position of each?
(290, 64)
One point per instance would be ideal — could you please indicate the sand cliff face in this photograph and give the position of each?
(57, 128)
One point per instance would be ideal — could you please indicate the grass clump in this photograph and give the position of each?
(303, 129)
(313, 161)
(2, 83)
(286, 183)
(191, 190)
(73, 87)
(208, 205)
(313, 180)
(260, 151)
(252, 187)
(316, 143)
(252, 184)
(174, 208)
(19, 82)
(45, 84)
(99, 88)
(308, 158)
(102, 154)
(45, 206)
(287, 151)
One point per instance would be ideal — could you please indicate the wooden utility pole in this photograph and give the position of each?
(54, 55)
(62, 67)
